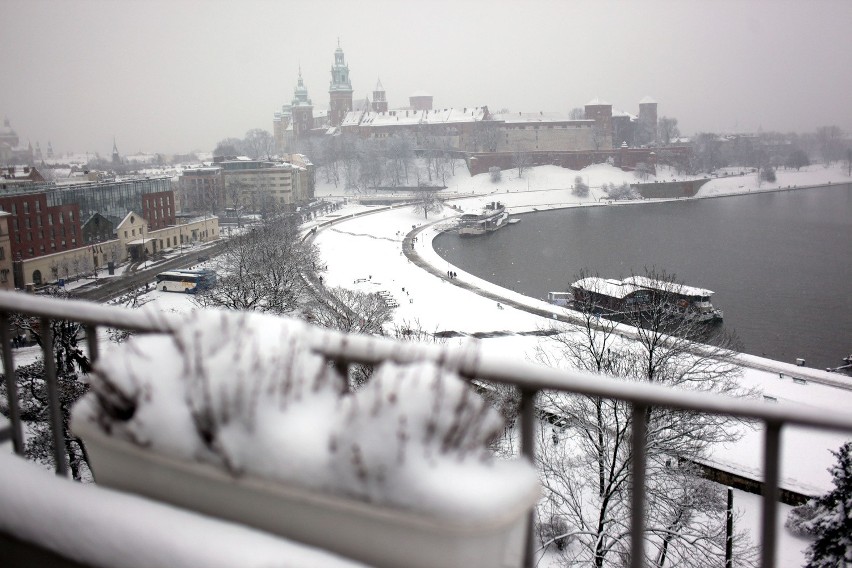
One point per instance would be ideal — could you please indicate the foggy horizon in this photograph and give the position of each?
(176, 77)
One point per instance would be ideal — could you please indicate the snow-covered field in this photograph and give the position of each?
(365, 253)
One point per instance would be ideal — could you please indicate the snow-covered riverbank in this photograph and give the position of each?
(365, 253)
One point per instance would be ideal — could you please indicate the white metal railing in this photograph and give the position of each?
(344, 349)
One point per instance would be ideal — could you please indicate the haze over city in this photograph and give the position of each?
(179, 76)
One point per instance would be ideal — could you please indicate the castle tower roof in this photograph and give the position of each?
(300, 92)
(598, 102)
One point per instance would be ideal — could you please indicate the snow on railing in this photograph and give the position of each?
(344, 350)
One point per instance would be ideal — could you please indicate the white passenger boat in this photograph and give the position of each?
(490, 218)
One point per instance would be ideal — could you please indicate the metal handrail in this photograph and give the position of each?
(468, 361)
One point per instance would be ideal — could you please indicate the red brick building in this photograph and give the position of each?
(35, 229)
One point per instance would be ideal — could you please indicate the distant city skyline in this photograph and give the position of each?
(176, 77)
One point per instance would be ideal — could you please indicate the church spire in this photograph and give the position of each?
(340, 89)
(380, 101)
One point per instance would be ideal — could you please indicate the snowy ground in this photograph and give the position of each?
(365, 253)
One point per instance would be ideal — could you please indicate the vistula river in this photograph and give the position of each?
(780, 263)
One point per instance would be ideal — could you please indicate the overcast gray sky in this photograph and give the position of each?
(179, 75)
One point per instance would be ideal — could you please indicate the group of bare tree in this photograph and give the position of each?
(585, 460)
(358, 164)
(769, 150)
(258, 144)
(264, 270)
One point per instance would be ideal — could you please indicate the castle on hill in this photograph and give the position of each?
(484, 138)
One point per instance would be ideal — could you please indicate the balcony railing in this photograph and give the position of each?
(343, 350)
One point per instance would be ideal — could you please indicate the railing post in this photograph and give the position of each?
(92, 342)
(528, 451)
(342, 367)
(637, 486)
(11, 386)
(57, 425)
(771, 459)
(729, 530)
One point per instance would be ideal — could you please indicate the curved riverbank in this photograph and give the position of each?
(431, 261)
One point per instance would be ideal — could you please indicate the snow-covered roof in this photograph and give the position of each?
(598, 102)
(672, 287)
(520, 117)
(606, 286)
(647, 101)
(419, 93)
(414, 117)
(616, 113)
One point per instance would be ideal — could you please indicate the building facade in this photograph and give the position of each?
(132, 241)
(201, 189)
(37, 228)
(7, 281)
(152, 197)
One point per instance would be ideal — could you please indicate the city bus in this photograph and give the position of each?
(186, 281)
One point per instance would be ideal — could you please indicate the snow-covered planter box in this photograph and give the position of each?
(234, 417)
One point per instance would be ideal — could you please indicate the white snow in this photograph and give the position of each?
(104, 528)
(244, 392)
(365, 253)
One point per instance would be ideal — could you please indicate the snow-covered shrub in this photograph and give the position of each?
(409, 419)
(495, 174)
(799, 520)
(832, 521)
(580, 189)
(244, 392)
(621, 192)
(554, 531)
(238, 390)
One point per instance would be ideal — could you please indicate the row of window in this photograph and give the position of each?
(29, 234)
(53, 247)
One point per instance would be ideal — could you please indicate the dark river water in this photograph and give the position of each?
(778, 262)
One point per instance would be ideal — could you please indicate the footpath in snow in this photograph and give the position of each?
(366, 253)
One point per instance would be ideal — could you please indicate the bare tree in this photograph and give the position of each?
(259, 143)
(829, 140)
(428, 200)
(577, 113)
(352, 311)
(586, 458)
(644, 171)
(797, 159)
(668, 130)
(229, 147)
(264, 270)
(521, 159)
(400, 152)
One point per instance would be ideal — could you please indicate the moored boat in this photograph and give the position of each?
(688, 301)
(636, 294)
(490, 218)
